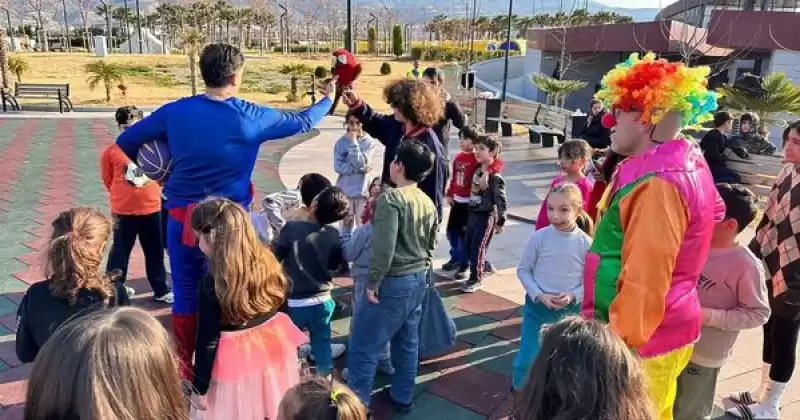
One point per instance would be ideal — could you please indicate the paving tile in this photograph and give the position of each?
(13, 383)
(32, 274)
(6, 307)
(487, 305)
(479, 390)
(9, 322)
(470, 328)
(456, 357)
(429, 406)
(506, 409)
(12, 412)
(494, 354)
(510, 329)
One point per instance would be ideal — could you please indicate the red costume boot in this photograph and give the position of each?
(185, 329)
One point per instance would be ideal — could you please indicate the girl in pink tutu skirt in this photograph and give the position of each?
(246, 357)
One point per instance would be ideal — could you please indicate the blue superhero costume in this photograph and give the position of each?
(214, 146)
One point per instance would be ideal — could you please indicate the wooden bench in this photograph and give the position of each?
(516, 113)
(758, 172)
(551, 125)
(58, 92)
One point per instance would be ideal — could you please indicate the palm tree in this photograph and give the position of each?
(104, 10)
(109, 74)
(780, 96)
(557, 90)
(294, 71)
(192, 42)
(18, 66)
(4, 64)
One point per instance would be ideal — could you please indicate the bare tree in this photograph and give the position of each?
(84, 7)
(5, 7)
(39, 7)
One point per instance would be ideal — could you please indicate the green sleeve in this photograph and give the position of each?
(384, 239)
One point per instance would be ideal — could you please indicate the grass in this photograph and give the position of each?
(156, 79)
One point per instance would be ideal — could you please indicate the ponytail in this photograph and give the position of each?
(585, 223)
(347, 406)
(316, 398)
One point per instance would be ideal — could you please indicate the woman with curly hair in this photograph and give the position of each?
(417, 108)
(75, 281)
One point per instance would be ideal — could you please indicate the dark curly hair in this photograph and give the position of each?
(416, 100)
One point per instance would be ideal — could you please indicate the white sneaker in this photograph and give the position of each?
(337, 350)
(165, 298)
(131, 291)
(755, 412)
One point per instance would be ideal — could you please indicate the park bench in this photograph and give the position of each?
(516, 114)
(551, 125)
(58, 92)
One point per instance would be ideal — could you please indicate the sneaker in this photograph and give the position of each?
(488, 268)
(460, 274)
(399, 407)
(450, 265)
(130, 291)
(472, 286)
(168, 297)
(337, 350)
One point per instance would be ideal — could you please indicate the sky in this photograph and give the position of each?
(637, 4)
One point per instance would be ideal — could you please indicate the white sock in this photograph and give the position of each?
(762, 389)
(773, 394)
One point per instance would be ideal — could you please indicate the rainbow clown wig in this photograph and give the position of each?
(656, 87)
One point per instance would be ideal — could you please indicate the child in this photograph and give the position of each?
(584, 372)
(121, 360)
(75, 282)
(352, 156)
(375, 188)
(310, 185)
(572, 158)
(320, 399)
(358, 249)
(308, 250)
(714, 144)
(403, 241)
(270, 220)
(602, 179)
(733, 295)
(551, 271)
(457, 196)
(246, 355)
(487, 209)
(136, 206)
(775, 243)
(749, 139)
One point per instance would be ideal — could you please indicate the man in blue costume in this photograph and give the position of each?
(214, 139)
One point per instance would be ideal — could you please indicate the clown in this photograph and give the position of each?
(346, 69)
(658, 214)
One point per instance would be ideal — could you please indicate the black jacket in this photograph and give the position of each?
(595, 134)
(41, 313)
(713, 145)
(308, 253)
(452, 115)
(390, 133)
(491, 199)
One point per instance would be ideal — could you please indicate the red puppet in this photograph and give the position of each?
(347, 68)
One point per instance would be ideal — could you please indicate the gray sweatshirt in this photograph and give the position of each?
(733, 295)
(553, 262)
(351, 160)
(357, 248)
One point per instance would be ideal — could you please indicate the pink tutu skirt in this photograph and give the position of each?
(253, 370)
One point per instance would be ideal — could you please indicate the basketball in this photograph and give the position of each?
(155, 160)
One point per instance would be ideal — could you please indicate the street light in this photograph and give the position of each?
(139, 26)
(348, 42)
(508, 51)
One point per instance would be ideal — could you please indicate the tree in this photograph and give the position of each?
(397, 40)
(104, 10)
(557, 90)
(372, 37)
(4, 65)
(109, 74)
(192, 41)
(38, 7)
(83, 11)
(294, 71)
(779, 96)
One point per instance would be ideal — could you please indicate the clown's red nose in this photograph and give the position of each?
(608, 120)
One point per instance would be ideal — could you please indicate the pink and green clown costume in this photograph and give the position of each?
(654, 234)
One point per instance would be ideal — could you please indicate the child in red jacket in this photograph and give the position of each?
(457, 196)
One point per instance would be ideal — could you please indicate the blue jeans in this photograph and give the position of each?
(360, 290)
(457, 246)
(535, 316)
(394, 319)
(317, 320)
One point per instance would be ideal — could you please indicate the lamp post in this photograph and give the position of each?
(139, 27)
(66, 26)
(472, 33)
(508, 51)
(348, 42)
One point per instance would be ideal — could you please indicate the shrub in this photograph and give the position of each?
(386, 69)
(397, 40)
(372, 37)
(321, 72)
(416, 53)
(437, 53)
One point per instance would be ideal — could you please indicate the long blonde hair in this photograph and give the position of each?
(248, 280)
(75, 254)
(110, 365)
(575, 199)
